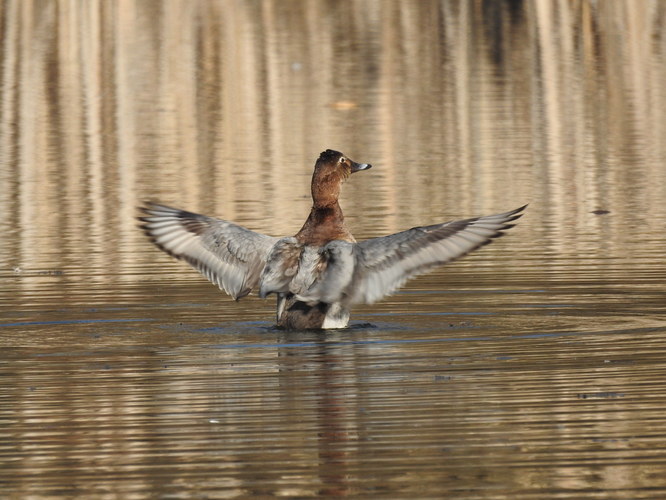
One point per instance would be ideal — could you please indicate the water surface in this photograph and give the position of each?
(534, 368)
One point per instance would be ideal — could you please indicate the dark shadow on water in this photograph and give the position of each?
(262, 327)
(345, 337)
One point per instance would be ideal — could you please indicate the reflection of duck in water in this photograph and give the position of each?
(322, 271)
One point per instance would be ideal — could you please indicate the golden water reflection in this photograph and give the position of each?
(532, 369)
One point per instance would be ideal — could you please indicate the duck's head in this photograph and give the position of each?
(331, 170)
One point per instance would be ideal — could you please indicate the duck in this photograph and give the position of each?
(320, 272)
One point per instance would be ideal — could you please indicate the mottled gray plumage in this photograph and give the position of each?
(386, 263)
(343, 273)
(230, 256)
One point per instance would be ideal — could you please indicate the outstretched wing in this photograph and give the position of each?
(228, 255)
(384, 264)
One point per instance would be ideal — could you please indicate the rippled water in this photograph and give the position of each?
(535, 368)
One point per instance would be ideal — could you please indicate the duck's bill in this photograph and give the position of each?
(360, 166)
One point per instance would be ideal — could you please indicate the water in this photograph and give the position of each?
(534, 368)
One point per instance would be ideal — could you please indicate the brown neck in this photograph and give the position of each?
(324, 224)
(325, 189)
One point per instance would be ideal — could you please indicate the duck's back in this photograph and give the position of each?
(296, 272)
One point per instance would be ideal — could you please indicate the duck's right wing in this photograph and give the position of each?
(384, 264)
(228, 255)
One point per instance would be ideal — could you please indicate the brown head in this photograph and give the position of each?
(331, 170)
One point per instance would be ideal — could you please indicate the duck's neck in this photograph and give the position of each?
(324, 224)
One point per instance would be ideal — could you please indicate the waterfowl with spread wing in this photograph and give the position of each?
(322, 271)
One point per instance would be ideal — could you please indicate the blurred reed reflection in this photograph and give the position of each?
(343, 414)
(222, 107)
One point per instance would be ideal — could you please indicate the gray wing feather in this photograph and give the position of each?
(309, 270)
(385, 264)
(328, 274)
(282, 264)
(230, 256)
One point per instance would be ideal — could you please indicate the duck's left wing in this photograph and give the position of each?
(229, 255)
(384, 264)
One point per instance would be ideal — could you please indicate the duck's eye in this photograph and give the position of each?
(342, 159)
